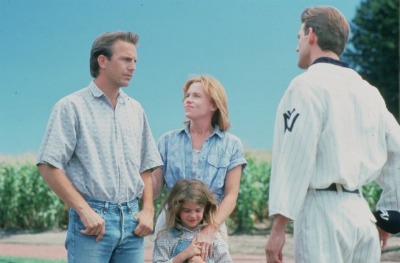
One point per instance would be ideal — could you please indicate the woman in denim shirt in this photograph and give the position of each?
(204, 150)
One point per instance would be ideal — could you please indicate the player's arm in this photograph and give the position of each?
(276, 240)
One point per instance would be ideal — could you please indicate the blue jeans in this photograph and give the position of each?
(119, 243)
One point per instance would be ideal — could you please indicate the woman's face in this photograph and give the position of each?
(191, 214)
(197, 103)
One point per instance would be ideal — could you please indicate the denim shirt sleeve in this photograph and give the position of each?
(223, 154)
(237, 157)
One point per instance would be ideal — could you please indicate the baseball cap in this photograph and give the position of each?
(388, 220)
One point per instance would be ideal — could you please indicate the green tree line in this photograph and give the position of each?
(374, 48)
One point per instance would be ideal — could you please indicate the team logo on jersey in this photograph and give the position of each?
(290, 118)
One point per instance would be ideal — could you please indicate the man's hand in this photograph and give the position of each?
(145, 219)
(276, 240)
(94, 224)
(273, 249)
(58, 181)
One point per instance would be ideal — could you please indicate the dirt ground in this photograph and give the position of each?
(244, 248)
(254, 245)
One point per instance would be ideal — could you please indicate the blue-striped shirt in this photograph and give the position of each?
(101, 149)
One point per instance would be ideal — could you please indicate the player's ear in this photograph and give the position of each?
(312, 37)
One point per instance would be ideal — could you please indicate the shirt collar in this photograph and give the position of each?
(216, 131)
(331, 61)
(97, 92)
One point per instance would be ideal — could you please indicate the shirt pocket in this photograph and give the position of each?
(217, 169)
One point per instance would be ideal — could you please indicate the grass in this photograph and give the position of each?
(5, 259)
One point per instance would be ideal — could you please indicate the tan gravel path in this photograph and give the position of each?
(244, 248)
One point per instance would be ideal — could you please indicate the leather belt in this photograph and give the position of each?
(333, 187)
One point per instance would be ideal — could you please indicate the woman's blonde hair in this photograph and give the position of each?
(217, 94)
(193, 191)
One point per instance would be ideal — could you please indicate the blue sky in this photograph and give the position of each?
(248, 45)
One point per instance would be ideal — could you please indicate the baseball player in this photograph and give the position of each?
(333, 134)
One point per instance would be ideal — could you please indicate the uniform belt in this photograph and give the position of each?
(334, 187)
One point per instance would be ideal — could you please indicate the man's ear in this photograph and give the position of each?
(101, 60)
(312, 37)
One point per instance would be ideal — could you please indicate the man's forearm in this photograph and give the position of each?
(280, 223)
(58, 181)
(147, 196)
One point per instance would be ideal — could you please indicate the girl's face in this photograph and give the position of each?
(197, 103)
(191, 214)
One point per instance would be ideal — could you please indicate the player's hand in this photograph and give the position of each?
(94, 224)
(145, 222)
(274, 246)
(383, 238)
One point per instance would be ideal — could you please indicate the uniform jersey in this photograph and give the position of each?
(332, 127)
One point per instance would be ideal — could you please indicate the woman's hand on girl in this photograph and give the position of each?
(206, 237)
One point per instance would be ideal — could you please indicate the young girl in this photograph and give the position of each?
(190, 206)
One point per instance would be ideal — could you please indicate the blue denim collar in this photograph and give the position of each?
(217, 131)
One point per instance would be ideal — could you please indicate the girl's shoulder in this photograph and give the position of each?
(166, 234)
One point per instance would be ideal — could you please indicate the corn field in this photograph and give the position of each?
(27, 203)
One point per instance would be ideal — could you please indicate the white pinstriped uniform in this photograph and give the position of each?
(333, 127)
